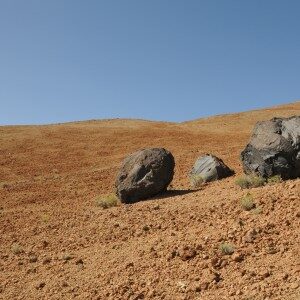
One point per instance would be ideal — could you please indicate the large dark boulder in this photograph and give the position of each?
(144, 174)
(274, 149)
(209, 168)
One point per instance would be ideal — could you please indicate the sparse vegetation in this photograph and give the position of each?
(196, 180)
(67, 256)
(247, 202)
(274, 179)
(227, 248)
(16, 248)
(250, 181)
(45, 218)
(4, 185)
(257, 210)
(107, 201)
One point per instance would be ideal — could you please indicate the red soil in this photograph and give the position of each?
(167, 248)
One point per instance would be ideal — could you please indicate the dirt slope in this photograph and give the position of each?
(162, 249)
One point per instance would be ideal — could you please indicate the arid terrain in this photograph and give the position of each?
(56, 243)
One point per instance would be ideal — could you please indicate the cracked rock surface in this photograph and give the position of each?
(274, 148)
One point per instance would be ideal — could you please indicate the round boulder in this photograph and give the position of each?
(274, 149)
(144, 174)
(209, 168)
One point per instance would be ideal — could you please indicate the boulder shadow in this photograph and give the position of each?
(173, 193)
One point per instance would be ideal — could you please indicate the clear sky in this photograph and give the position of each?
(64, 60)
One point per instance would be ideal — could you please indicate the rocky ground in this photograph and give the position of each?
(56, 243)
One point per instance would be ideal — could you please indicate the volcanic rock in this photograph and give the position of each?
(210, 168)
(274, 149)
(144, 174)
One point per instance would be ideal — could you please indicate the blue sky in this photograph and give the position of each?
(64, 60)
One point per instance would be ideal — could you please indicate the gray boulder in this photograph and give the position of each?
(274, 149)
(144, 174)
(209, 168)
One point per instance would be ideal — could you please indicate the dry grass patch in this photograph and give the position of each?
(16, 248)
(274, 179)
(247, 202)
(257, 211)
(4, 185)
(227, 248)
(250, 181)
(45, 218)
(107, 201)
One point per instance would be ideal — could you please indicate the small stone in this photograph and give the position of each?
(182, 285)
(79, 261)
(294, 285)
(204, 286)
(172, 254)
(217, 277)
(146, 228)
(265, 274)
(40, 285)
(272, 250)
(129, 265)
(284, 276)
(197, 288)
(31, 270)
(237, 257)
(223, 263)
(187, 253)
(46, 260)
(214, 261)
(249, 238)
(203, 265)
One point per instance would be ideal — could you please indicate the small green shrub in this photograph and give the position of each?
(227, 248)
(247, 202)
(107, 201)
(274, 179)
(196, 180)
(250, 181)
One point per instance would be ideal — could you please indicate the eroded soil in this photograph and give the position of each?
(55, 243)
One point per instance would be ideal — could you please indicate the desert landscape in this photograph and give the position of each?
(57, 243)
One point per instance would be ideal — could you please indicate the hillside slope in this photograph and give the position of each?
(163, 249)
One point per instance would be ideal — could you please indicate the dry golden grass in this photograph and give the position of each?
(107, 201)
(247, 202)
(250, 181)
